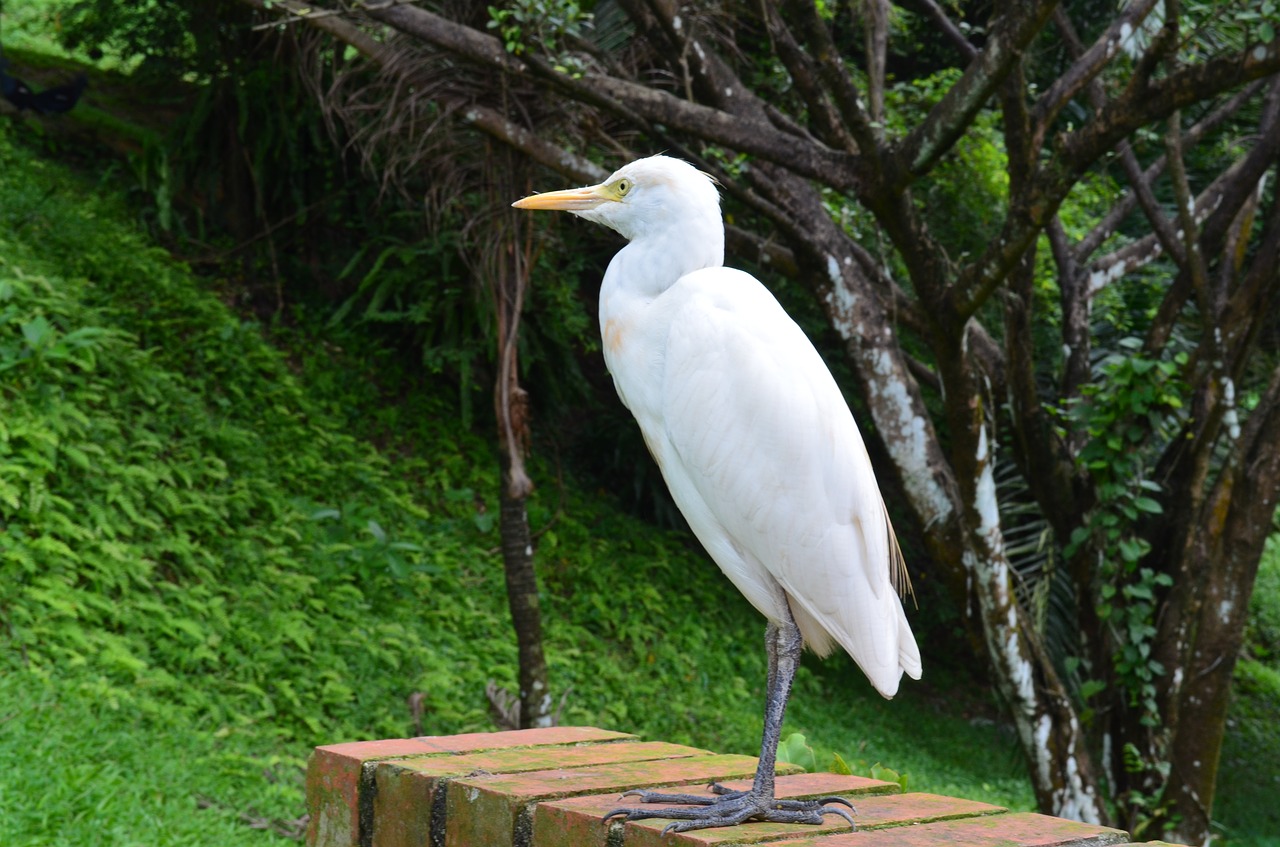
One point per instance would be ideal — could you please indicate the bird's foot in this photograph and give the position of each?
(730, 808)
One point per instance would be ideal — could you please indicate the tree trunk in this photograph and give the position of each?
(1225, 544)
(508, 277)
(522, 598)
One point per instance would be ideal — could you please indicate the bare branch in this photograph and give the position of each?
(1187, 219)
(749, 135)
(1079, 150)
(920, 150)
(1133, 170)
(553, 156)
(1087, 65)
(876, 28)
(1076, 338)
(804, 76)
(832, 73)
(303, 13)
(1107, 226)
(1215, 209)
(954, 34)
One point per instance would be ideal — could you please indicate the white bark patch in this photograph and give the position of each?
(906, 433)
(844, 303)
(1021, 674)
(833, 272)
(1043, 731)
(1075, 800)
(545, 718)
(910, 440)
(1100, 279)
(1231, 419)
(987, 504)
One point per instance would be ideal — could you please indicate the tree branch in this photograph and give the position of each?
(921, 149)
(804, 76)
(954, 34)
(1080, 149)
(1107, 226)
(1133, 170)
(833, 75)
(876, 28)
(1087, 65)
(1195, 265)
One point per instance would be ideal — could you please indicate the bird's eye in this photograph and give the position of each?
(623, 186)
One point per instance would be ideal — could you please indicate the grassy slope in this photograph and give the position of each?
(203, 573)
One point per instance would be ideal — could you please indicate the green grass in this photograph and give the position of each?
(85, 770)
(1249, 771)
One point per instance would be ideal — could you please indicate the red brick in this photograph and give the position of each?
(335, 771)
(1022, 829)
(576, 821)
(406, 789)
(403, 804)
(474, 741)
(492, 809)
(333, 787)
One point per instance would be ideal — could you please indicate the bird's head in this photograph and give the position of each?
(646, 196)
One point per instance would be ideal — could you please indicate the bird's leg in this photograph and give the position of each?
(783, 643)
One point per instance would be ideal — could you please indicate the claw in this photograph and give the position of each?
(826, 801)
(828, 810)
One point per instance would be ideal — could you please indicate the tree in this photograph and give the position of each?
(1051, 255)
(502, 261)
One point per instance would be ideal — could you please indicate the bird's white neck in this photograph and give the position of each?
(653, 262)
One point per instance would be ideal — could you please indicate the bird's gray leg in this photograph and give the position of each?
(783, 644)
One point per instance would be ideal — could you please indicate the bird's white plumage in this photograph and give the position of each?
(752, 434)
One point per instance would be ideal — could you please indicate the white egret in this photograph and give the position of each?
(758, 448)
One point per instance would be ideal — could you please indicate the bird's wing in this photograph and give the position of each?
(763, 433)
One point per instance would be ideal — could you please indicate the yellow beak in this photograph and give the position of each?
(569, 200)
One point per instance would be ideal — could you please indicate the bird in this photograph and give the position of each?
(759, 450)
(55, 100)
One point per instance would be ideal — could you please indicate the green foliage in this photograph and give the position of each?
(1133, 398)
(546, 27)
(87, 773)
(795, 750)
(163, 38)
(1263, 633)
(174, 508)
(964, 198)
(1245, 811)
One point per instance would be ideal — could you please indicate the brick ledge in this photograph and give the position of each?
(550, 788)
